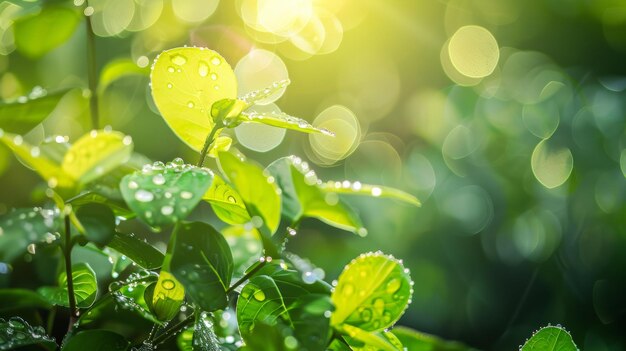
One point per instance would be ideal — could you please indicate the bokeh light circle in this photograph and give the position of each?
(341, 121)
(473, 51)
(260, 137)
(258, 70)
(551, 165)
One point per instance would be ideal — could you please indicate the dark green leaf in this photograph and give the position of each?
(41, 32)
(21, 116)
(16, 333)
(85, 287)
(552, 338)
(96, 340)
(372, 293)
(226, 202)
(139, 251)
(202, 262)
(164, 194)
(303, 197)
(257, 189)
(418, 341)
(23, 227)
(17, 299)
(98, 221)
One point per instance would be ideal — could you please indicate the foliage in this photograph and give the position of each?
(97, 187)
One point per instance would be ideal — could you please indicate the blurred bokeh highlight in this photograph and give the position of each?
(506, 118)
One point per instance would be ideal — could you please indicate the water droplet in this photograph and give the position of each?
(167, 210)
(232, 199)
(186, 195)
(169, 85)
(348, 289)
(168, 284)
(143, 196)
(376, 191)
(127, 140)
(158, 179)
(216, 61)
(132, 185)
(259, 295)
(35, 152)
(393, 285)
(31, 249)
(190, 104)
(179, 59)
(213, 76)
(203, 69)
(170, 69)
(366, 314)
(17, 140)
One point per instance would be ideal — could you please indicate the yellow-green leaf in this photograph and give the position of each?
(379, 191)
(169, 294)
(119, 68)
(226, 202)
(185, 84)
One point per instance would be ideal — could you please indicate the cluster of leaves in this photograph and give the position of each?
(98, 183)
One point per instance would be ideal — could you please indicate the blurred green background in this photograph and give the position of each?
(505, 117)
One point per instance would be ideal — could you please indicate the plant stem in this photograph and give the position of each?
(173, 330)
(246, 276)
(92, 77)
(207, 143)
(67, 251)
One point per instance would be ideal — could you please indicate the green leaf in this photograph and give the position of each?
(362, 340)
(551, 338)
(119, 68)
(96, 340)
(186, 82)
(268, 337)
(25, 114)
(257, 189)
(372, 293)
(418, 341)
(98, 221)
(16, 333)
(167, 297)
(255, 96)
(19, 299)
(281, 120)
(35, 157)
(164, 194)
(41, 32)
(357, 188)
(226, 202)
(303, 197)
(85, 287)
(139, 251)
(278, 296)
(96, 154)
(204, 338)
(202, 262)
(184, 341)
(23, 227)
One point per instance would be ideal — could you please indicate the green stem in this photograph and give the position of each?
(173, 330)
(67, 253)
(246, 276)
(207, 143)
(92, 77)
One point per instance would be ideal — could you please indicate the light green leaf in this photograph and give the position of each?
(23, 227)
(17, 333)
(551, 338)
(42, 162)
(25, 114)
(139, 251)
(164, 194)
(202, 262)
(303, 197)
(184, 341)
(96, 154)
(245, 245)
(186, 82)
(418, 341)
(281, 120)
(85, 287)
(96, 340)
(19, 299)
(226, 202)
(379, 191)
(255, 96)
(119, 68)
(167, 297)
(372, 293)
(257, 189)
(41, 32)
(362, 340)
(98, 221)
(268, 337)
